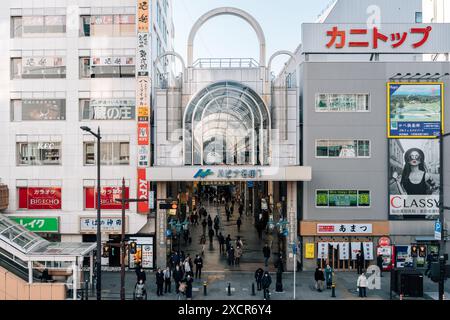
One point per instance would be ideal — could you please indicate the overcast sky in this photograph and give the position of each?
(232, 37)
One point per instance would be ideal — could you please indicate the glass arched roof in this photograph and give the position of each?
(18, 236)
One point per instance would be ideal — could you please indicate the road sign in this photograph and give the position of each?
(437, 230)
(294, 248)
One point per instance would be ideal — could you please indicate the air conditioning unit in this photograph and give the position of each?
(4, 197)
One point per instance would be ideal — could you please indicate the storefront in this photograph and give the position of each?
(338, 243)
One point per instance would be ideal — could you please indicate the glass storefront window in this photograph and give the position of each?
(38, 26)
(38, 109)
(342, 148)
(112, 153)
(38, 67)
(39, 153)
(107, 67)
(342, 102)
(118, 25)
(343, 198)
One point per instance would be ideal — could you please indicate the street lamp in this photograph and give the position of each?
(99, 240)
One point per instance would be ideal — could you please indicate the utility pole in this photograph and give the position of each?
(123, 201)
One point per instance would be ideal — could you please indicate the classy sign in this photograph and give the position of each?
(386, 38)
(344, 228)
(41, 198)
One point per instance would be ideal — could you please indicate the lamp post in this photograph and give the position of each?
(99, 240)
(441, 215)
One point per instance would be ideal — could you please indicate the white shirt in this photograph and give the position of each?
(362, 281)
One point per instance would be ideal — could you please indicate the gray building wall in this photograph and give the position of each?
(367, 174)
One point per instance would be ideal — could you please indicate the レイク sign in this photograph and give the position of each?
(40, 198)
(38, 224)
(345, 228)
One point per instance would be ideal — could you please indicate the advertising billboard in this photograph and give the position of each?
(415, 110)
(414, 166)
(108, 197)
(40, 198)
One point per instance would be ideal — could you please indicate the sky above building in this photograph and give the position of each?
(232, 37)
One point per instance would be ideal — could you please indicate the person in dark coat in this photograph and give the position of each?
(141, 274)
(177, 277)
(231, 256)
(198, 261)
(167, 280)
(221, 242)
(241, 209)
(359, 262)
(204, 224)
(210, 222)
(211, 236)
(319, 277)
(228, 242)
(189, 281)
(279, 264)
(380, 264)
(266, 252)
(238, 223)
(216, 227)
(265, 283)
(159, 282)
(258, 277)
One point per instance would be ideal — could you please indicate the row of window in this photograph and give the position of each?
(55, 67)
(105, 25)
(45, 153)
(89, 109)
(342, 149)
(343, 198)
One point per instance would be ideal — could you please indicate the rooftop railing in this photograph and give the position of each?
(221, 63)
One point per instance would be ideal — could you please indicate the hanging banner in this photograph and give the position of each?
(142, 193)
(143, 156)
(414, 175)
(322, 250)
(356, 247)
(143, 98)
(368, 250)
(143, 15)
(343, 250)
(415, 110)
(309, 250)
(143, 133)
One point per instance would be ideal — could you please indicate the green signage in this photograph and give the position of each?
(38, 224)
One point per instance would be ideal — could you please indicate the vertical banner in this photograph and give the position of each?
(143, 15)
(322, 250)
(343, 250)
(356, 247)
(143, 184)
(368, 250)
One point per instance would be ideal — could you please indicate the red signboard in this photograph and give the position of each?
(143, 133)
(108, 196)
(40, 198)
(323, 229)
(142, 191)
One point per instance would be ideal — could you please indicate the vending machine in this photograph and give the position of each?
(387, 253)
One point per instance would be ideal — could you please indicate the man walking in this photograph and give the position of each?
(359, 262)
(239, 222)
(380, 264)
(167, 281)
(211, 236)
(159, 282)
(259, 273)
(265, 283)
(198, 261)
(221, 243)
(266, 252)
(177, 277)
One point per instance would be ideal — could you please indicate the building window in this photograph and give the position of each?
(342, 149)
(342, 198)
(38, 109)
(419, 17)
(37, 26)
(38, 67)
(108, 109)
(107, 67)
(342, 102)
(117, 25)
(38, 153)
(112, 153)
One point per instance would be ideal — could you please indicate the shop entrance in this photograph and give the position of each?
(114, 252)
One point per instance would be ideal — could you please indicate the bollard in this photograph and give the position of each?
(205, 284)
(333, 293)
(253, 289)
(86, 290)
(229, 289)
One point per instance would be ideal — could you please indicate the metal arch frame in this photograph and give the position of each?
(253, 127)
(224, 84)
(227, 11)
(175, 54)
(280, 52)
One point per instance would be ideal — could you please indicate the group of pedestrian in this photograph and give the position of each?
(234, 253)
(263, 281)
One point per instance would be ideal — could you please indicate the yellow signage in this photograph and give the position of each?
(143, 111)
(309, 250)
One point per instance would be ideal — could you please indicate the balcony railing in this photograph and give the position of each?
(222, 63)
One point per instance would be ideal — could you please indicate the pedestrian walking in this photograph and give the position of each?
(187, 267)
(265, 283)
(198, 261)
(228, 242)
(203, 243)
(210, 222)
(266, 253)
(259, 273)
(359, 262)
(139, 291)
(216, 228)
(204, 224)
(231, 256)
(177, 277)
(380, 264)
(241, 209)
(239, 222)
(319, 278)
(167, 280)
(221, 243)
(211, 236)
(228, 213)
(140, 274)
(237, 255)
(189, 281)
(328, 276)
(239, 243)
(362, 283)
(159, 282)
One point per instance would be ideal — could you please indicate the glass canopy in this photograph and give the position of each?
(18, 236)
(226, 123)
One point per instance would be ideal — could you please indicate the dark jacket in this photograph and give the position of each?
(198, 262)
(239, 221)
(266, 251)
(177, 275)
(189, 287)
(141, 275)
(259, 274)
(211, 233)
(159, 278)
(266, 281)
(318, 275)
(221, 239)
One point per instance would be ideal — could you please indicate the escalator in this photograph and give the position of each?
(17, 268)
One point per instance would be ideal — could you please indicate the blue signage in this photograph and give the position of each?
(437, 230)
(250, 184)
(203, 173)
